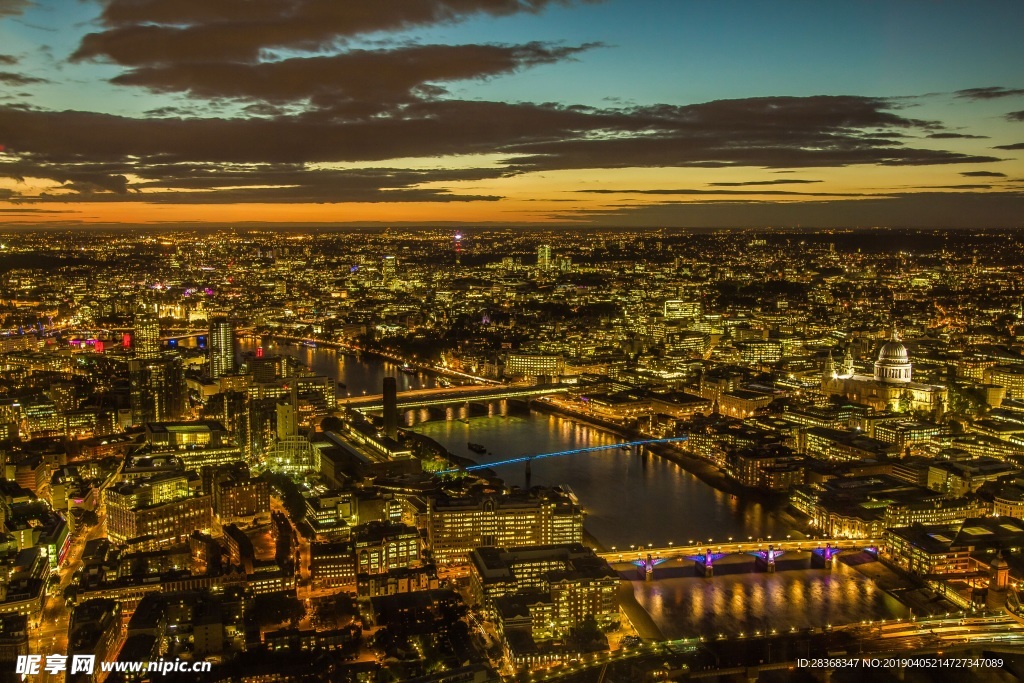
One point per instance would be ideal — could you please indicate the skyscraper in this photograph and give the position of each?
(544, 257)
(222, 347)
(391, 407)
(157, 388)
(388, 269)
(147, 335)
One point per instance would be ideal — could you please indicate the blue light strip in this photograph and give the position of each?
(591, 449)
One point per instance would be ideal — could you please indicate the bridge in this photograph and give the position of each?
(695, 549)
(421, 398)
(590, 449)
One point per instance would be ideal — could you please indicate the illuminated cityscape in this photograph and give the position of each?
(511, 341)
(469, 460)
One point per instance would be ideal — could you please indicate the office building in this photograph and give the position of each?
(544, 257)
(222, 347)
(158, 389)
(147, 336)
(538, 517)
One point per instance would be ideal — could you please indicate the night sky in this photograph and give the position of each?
(653, 113)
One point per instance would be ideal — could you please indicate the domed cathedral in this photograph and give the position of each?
(890, 388)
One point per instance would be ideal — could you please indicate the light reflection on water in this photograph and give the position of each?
(635, 499)
(360, 375)
(629, 498)
(687, 607)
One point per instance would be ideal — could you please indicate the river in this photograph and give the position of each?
(639, 499)
(629, 498)
(685, 607)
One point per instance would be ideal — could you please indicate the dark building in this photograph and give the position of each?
(391, 407)
(157, 389)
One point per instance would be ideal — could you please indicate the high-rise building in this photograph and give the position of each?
(388, 269)
(147, 335)
(544, 257)
(391, 407)
(157, 388)
(222, 347)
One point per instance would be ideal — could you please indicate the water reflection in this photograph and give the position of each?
(359, 374)
(745, 603)
(629, 498)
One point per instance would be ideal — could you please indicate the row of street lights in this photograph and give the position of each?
(698, 544)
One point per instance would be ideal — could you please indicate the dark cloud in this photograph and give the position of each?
(956, 136)
(983, 174)
(12, 7)
(1015, 116)
(770, 132)
(8, 59)
(13, 79)
(169, 111)
(955, 187)
(28, 211)
(86, 176)
(216, 184)
(371, 77)
(277, 157)
(989, 93)
(766, 132)
(782, 181)
(922, 209)
(1016, 145)
(689, 191)
(140, 32)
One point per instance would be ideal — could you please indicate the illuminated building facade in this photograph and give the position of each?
(541, 517)
(890, 388)
(147, 336)
(222, 347)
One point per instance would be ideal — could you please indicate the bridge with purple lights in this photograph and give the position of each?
(527, 459)
(704, 556)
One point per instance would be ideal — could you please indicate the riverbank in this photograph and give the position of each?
(357, 350)
(694, 464)
(638, 617)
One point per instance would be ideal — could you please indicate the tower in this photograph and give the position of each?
(391, 407)
(544, 257)
(147, 335)
(829, 371)
(847, 369)
(222, 347)
(388, 269)
(157, 389)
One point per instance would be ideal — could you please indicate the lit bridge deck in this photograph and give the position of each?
(736, 547)
(421, 398)
(574, 451)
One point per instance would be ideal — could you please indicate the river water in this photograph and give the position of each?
(685, 607)
(638, 499)
(629, 498)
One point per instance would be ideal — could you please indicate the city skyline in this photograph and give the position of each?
(650, 114)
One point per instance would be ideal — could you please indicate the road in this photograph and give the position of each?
(51, 637)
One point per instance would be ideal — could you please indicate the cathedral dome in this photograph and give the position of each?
(894, 351)
(893, 364)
